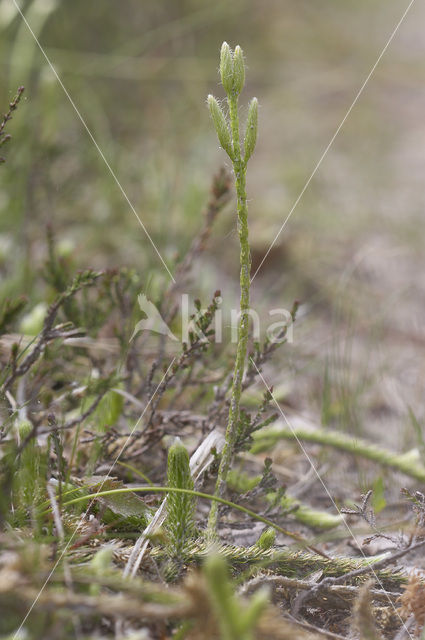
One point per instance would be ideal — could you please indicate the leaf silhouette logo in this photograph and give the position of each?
(153, 321)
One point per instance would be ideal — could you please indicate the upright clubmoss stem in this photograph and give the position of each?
(233, 89)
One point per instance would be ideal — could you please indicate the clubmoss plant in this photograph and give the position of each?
(408, 463)
(232, 71)
(180, 522)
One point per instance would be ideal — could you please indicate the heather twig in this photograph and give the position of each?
(48, 333)
(5, 137)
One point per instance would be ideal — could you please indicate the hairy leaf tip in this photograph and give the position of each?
(220, 124)
(226, 67)
(251, 129)
(238, 70)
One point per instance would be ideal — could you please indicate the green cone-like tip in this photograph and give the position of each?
(238, 70)
(226, 68)
(102, 560)
(251, 129)
(220, 124)
(178, 468)
(23, 429)
(267, 539)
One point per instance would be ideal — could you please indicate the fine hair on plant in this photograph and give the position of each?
(232, 71)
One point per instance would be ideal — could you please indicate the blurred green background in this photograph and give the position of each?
(139, 73)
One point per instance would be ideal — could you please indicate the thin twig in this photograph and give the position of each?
(304, 585)
(371, 568)
(48, 333)
(380, 564)
(312, 627)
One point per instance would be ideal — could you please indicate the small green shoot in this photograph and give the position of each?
(236, 619)
(180, 522)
